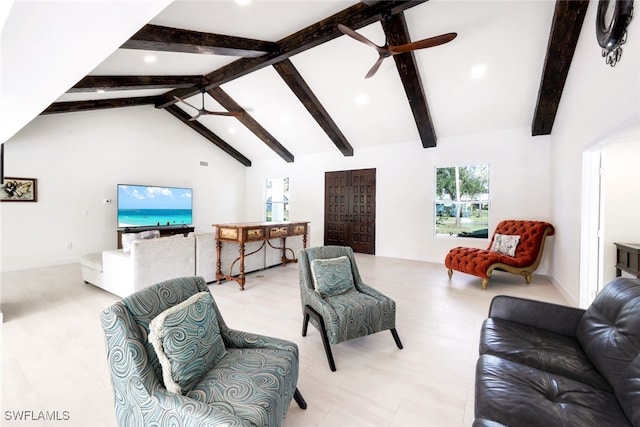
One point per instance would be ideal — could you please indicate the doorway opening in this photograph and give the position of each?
(610, 205)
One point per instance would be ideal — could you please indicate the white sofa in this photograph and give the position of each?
(153, 260)
(149, 261)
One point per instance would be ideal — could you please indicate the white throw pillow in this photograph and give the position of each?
(505, 244)
(129, 238)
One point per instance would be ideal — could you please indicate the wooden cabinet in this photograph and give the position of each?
(246, 232)
(627, 258)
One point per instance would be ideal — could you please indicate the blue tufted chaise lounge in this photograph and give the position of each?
(252, 385)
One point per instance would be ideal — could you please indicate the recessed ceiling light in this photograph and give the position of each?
(100, 91)
(150, 59)
(242, 2)
(362, 99)
(232, 130)
(478, 71)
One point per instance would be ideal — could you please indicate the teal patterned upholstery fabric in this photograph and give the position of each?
(187, 340)
(353, 314)
(332, 276)
(252, 385)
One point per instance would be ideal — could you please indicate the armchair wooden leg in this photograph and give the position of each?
(484, 284)
(305, 322)
(450, 273)
(308, 311)
(299, 399)
(396, 338)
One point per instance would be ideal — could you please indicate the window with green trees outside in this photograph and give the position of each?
(462, 201)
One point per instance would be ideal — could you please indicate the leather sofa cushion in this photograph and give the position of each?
(628, 391)
(538, 348)
(609, 331)
(514, 394)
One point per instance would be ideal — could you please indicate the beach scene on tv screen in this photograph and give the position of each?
(140, 206)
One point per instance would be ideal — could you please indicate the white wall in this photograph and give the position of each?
(47, 47)
(79, 158)
(621, 200)
(405, 174)
(596, 100)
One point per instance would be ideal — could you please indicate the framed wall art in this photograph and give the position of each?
(19, 190)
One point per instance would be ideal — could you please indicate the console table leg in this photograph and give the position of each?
(241, 279)
(219, 275)
(284, 251)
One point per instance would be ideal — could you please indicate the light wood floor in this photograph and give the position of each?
(53, 353)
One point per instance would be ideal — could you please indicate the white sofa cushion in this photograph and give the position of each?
(205, 256)
(150, 261)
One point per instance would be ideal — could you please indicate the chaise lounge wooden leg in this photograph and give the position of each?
(450, 273)
(299, 399)
(527, 277)
(308, 311)
(396, 338)
(484, 284)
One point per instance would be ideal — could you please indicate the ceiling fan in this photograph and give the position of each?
(387, 51)
(203, 112)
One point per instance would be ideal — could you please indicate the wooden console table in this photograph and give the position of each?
(627, 258)
(242, 233)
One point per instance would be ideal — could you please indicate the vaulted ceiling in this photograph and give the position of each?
(299, 82)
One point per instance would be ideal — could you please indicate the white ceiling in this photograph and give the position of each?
(508, 37)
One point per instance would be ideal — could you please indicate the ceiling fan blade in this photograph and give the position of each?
(224, 113)
(195, 117)
(422, 44)
(185, 102)
(375, 67)
(349, 32)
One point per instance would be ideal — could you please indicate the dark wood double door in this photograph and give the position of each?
(350, 209)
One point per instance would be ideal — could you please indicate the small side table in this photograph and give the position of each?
(627, 258)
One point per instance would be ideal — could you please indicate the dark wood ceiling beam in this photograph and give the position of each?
(205, 132)
(227, 102)
(397, 33)
(323, 31)
(98, 104)
(111, 83)
(166, 39)
(563, 38)
(296, 83)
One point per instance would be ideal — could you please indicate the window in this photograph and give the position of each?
(462, 201)
(277, 199)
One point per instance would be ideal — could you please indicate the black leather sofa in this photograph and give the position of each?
(549, 365)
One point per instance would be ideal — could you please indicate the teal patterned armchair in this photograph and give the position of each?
(251, 385)
(336, 300)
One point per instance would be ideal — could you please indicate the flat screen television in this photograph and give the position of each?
(146, 206)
